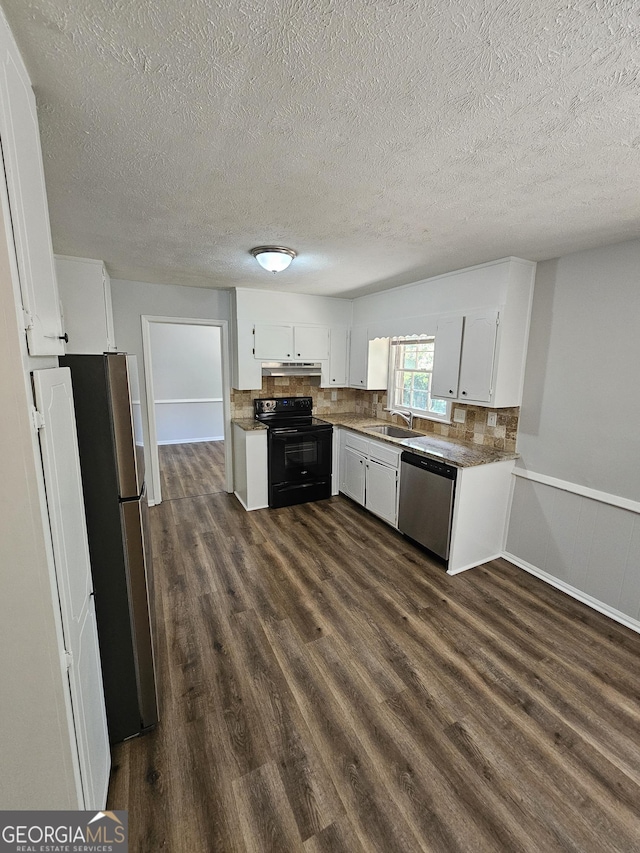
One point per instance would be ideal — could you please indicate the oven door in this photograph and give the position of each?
(299, 456)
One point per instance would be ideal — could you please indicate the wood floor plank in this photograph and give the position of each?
(447, 810)
(338, 837)
(310, 791)
(267, 822)
(483, 712)
(376, 819)
(192, 469)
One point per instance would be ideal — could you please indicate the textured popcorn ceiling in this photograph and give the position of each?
(384, 141)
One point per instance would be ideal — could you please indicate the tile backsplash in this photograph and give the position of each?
(372, 404)
(325, 400)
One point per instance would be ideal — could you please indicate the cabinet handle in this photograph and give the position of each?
(451, 390)
(464, 393)
(298, 355)
(288, 355)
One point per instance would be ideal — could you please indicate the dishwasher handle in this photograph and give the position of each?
(450, 472)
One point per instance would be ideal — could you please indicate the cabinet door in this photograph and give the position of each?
(446, 360)
(358, 357)
(85, 293)
(478, 349)
(29, 213)
(338, 357)
(65, 505)
(382, 490)
(273, 343)
(353, 474)
(311, 343)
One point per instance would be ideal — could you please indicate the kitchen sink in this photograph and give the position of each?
(394, 431)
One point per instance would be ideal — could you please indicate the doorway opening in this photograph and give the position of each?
(187, 395)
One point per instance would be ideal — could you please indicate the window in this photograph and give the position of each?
(410, 375)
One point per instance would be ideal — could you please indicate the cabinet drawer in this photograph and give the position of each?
(383, 453)
(356, 442)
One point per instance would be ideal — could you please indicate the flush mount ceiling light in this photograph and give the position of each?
(273, 258)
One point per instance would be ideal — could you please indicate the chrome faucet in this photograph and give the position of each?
(406, 416)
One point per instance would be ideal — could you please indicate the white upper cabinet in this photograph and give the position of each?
(446, 361)
(28, 202)
(273, 343)
(338, 358)
(291, 343)
(480, 355)
(272, 326)
(368, 361)
(85, 295)
(311, 343)
(464, 357)
(478, 350)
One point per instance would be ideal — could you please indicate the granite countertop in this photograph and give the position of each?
(248, 424)
(461, 454)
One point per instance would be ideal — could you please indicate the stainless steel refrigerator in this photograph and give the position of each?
(112, 465)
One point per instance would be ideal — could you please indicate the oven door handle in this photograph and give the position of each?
(284, 433)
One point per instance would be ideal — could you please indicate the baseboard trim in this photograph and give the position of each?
(192, 440)
(576, 593)
(475, 565)
(249, 508)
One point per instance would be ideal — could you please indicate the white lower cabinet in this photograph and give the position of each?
(353, 477)
(250, 480)
(369, 475)
(382, 491)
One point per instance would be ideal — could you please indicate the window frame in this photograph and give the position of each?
(394, 343)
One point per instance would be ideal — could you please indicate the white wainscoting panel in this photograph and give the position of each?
(187, 421)
(586, 546)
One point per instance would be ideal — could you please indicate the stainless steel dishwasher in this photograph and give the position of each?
(427, 489)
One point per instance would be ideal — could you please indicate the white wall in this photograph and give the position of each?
(187, 382)
(581, 408)
(132, 299)
(579, 426)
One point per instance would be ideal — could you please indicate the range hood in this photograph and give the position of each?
(291, 368)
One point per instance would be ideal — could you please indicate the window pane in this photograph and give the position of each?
(409, 357)
(425, 360)
(420, 400)
(412, 364)
(421, 381)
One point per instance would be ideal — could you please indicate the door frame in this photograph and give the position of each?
(147, 357)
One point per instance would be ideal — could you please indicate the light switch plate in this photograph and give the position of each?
(334, 396)
(459, 416)
(492, 419)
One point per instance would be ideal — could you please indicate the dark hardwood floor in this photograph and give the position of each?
(324, 686)
(190, 470)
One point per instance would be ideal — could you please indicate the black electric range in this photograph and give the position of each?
(299, 450)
